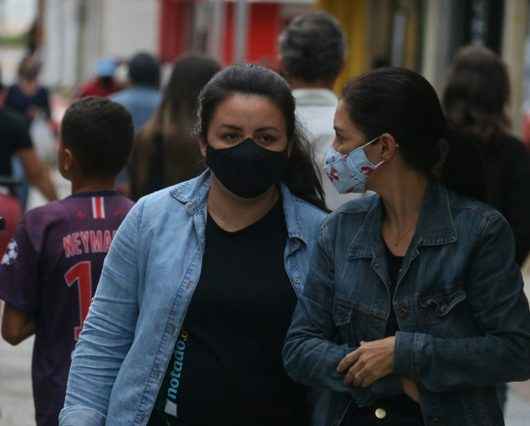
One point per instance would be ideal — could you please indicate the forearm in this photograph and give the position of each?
(17, 325)
(103, 344)
(443, 364)
(312, 359)
(26, 331)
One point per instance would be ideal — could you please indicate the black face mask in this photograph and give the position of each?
(247, 169)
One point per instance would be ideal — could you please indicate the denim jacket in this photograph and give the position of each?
(147, 282)
(464, 322)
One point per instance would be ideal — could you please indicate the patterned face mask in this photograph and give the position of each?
(349, 172)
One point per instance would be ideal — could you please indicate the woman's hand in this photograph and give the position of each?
(368, 363)
(411, 389)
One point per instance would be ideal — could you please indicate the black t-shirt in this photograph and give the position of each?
(18, 101)
(399, 410)
(227, 367)
(14, 136)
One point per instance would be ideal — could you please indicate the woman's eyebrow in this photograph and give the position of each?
(263, 129)
(231, 126)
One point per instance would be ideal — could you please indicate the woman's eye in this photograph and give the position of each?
(266, 139)
(231, 137)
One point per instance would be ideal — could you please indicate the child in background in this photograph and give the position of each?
(49, 272)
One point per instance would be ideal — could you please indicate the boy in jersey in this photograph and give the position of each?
(49, 273)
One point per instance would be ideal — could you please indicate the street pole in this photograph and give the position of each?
(81, 32)
(436, 45)
(513, 53)
(218, 29)
(241, 32)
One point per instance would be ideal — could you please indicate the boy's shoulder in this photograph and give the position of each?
(72, 211)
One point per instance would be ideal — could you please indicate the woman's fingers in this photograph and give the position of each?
(355, 373)
(348, 361)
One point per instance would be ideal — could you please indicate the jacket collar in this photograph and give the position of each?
(194, 195)
(315, 97)
(435, 225)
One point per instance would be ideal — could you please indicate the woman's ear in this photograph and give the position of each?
(389, 146)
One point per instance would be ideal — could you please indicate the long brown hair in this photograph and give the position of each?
(477, 94)
(166, 151)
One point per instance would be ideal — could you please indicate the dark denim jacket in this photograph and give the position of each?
(463, 317)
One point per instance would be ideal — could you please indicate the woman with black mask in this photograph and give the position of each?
(198, 289)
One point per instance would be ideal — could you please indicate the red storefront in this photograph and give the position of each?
(211, 27)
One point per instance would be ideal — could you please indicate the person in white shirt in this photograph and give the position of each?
(312, 53)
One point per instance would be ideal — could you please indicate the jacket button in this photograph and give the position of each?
(403, 311)
(380, 413)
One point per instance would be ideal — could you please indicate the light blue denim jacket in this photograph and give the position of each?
(464, 322)
(147, 282)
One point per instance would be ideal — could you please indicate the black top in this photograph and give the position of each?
(507, 169)
(14, 136)
(399, 410)
(498, 171)
(28, 105)
(227, 367)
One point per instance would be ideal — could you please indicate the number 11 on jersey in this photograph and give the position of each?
(81, 273)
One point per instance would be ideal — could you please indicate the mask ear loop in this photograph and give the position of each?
(376, 166)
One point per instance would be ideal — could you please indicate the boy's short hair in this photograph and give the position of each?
(100, 133)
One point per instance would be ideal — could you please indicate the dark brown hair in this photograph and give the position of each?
(477, 93)
(404, 104)
(166, 151)
(301, 177)
(100, 133)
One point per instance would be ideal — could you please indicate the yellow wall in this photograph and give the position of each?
(353, 17)
(368, 25)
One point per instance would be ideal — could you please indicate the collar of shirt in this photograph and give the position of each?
(315, 97)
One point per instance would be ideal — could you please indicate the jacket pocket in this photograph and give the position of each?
(343, 313)
(437, 307)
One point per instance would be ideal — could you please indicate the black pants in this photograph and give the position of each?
(160, 419)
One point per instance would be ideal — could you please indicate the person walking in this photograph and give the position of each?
(51, 268)
(166, 151)
(475, 100)
(104, 83)
(198, 289)
(413, 309)
(312, 52)
(142, 96)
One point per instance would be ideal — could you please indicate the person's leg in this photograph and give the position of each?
(502, 394)
(21, 190)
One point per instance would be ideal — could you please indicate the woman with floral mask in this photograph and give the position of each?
(202, 278)
(413, 308)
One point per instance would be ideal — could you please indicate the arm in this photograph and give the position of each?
(20, 286)
(495, 296)
(37, 173)
(310, 355)
(17, 325)
(108, 331)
